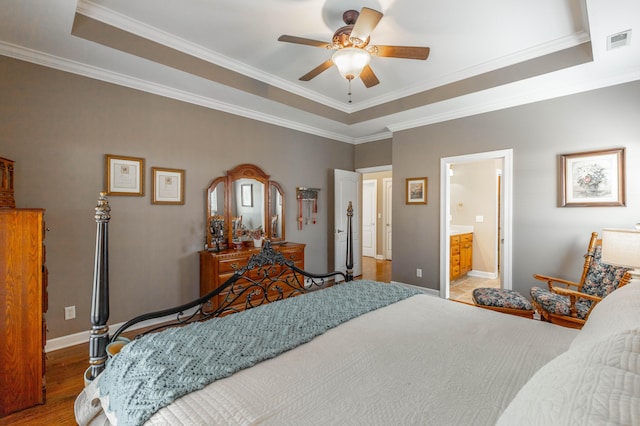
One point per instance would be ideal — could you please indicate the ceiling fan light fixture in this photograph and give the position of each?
(350, 61)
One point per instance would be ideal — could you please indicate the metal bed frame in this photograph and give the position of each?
(272, 276)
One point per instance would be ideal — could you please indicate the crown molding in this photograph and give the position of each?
(523, 97)
(74, 67)
(505, 61)
(125, 23)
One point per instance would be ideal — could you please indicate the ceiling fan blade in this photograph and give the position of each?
(305, 41)
(366, 22)
(317, 70)
(368, 77)
(406, 52)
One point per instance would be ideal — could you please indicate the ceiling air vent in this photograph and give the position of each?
(618, 40)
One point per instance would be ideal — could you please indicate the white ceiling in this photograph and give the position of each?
(467, 39)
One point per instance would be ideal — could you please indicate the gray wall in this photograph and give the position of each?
(57, 127)
(373, 154)
(547, 239)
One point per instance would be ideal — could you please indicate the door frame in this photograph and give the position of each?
(374, 196)
(386, 212)
(507, 214)
(375, 169)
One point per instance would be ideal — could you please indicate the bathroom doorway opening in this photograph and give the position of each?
(502, 217)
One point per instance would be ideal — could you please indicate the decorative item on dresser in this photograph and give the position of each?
(23, 302)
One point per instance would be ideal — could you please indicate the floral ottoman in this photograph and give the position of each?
(502, 300)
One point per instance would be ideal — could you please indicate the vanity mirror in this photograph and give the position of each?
(241, 205)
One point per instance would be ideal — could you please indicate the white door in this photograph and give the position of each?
(369, 212)
(347, 189)
(387, 185)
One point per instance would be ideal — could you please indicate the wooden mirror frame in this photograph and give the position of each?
(211, 242)
(245, 171)
(276, 204)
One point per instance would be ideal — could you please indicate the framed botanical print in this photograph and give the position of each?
(168, 186)
(593, 178)
(416, 191)
(124, 175)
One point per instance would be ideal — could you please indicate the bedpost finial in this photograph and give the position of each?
(103, 210)
(350, 209)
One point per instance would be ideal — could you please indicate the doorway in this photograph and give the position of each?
(503, 214)
(380, 215)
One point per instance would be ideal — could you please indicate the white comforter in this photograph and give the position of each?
(420, 361)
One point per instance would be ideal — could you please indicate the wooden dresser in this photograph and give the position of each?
(217, 267)
(23, 302)
(461, 255)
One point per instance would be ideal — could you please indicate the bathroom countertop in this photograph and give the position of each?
(460, 229)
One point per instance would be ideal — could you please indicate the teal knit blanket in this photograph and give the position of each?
(151, 372)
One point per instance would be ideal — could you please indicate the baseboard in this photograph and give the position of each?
(483, 274)
(83, 336)
(429, 291)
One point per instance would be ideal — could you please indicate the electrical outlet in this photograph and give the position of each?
(419, 273)
(69, 312)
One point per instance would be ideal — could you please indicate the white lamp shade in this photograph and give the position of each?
(350, 61)
(621, 247)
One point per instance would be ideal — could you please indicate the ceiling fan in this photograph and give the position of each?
(352, 49)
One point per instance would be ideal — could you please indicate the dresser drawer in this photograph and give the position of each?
(466, 238)
(217, 267)
(231, 265)
(292, 254)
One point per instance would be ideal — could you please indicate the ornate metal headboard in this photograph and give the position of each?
(272, 276)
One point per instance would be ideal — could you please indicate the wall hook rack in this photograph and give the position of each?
(307, 205)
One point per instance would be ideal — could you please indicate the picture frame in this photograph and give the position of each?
(593, 178)
(246, 194)
(168, 186)
(124, 175)
(416, 190)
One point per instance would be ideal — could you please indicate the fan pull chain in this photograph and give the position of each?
(349, 93)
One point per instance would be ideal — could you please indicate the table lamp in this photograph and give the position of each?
(621, 247)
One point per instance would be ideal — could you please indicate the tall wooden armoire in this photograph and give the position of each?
(23, 302)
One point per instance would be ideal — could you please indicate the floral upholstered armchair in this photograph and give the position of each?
(569, 304)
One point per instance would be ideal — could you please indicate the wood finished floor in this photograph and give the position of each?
(459, 290)
(65, 367)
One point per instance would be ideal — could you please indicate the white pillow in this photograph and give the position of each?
(595, 385)
(618, 311)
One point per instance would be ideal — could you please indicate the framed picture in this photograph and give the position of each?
(593, 179)
(416, 191)
(124, 175)
(168, 186)
(246, 194)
